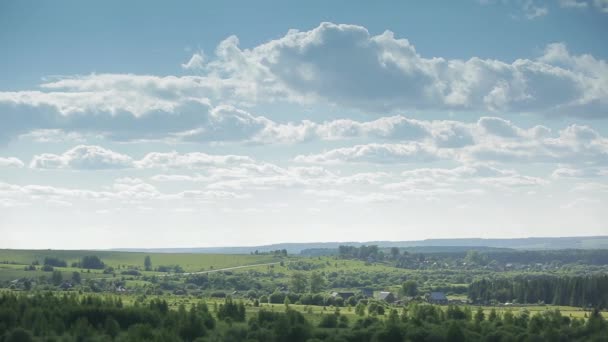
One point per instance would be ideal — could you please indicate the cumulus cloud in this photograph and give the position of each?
(196, 62)
(346, 65)
(374, 153)
(343, 65)
(569, 172)
(10, 162)
(124, 190)
(83, 157)
(191, 160)
(600, 5)
(573, 3)
(490, 139)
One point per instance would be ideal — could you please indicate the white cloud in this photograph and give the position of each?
(125, 190)
(196, 62)
(374, 153)
(343, 65)
(52, 135)
(600, 5)
(532, 10)
(513, 181)
(10, 162)
(567, 172)
(573, 3)
(193, 160)
(346, 65)
(83, 157)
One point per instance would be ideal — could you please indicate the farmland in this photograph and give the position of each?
(275, 283)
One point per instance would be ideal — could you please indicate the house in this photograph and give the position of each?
(367, 292)
(437, 298)
(65, 286)
(386, 296)
(344, 295)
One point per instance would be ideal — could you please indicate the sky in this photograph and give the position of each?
(232, 123)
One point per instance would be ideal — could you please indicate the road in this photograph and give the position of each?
(204, 272)
(224, 269)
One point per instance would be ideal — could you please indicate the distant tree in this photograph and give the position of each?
(395, 252)
(76, 278)
(55, 262)
(317, 282)
(231, 310)
(111, 327)
(455, 333)
(360, 309)
(298, 282)
(19, 335)
(409, 288)
(479, 315)
(148, 263)
(57, 278)
(92, 262)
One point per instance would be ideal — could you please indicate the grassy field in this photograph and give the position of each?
(189, 262)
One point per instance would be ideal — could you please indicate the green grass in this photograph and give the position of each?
(11, 272)
(189, 262)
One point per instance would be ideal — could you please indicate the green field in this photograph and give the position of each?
(189, 262)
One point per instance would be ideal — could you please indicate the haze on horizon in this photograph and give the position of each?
(198, 124)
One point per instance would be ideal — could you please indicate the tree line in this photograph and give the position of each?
(52, 317)
(581, 291)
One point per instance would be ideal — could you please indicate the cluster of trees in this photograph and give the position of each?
(55, 262)
(231, 310)
(550, 289)
(51, 317)
(365, 253)
(474, 258)
(277, 252)
(67, 317)
(92, 262)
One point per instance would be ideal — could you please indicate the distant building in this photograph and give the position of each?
(367, 292)
(437, 298)
(344, 295)
(386, 296)
(65, 286)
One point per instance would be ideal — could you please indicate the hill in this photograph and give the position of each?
(531, 243)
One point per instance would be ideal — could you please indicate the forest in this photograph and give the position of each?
(70, 318)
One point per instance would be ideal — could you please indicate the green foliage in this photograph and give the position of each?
(148, 263)
(231, 310)
(76, 278)
(298, 283)
(409, 288)
(91, 262)
(55, 262)
(558, 290)
(57, 278)
(317, 282)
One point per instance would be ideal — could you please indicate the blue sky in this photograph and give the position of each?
(237, 123)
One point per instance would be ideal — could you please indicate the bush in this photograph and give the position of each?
(131, 272)
(92, 262)
(55, 262)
